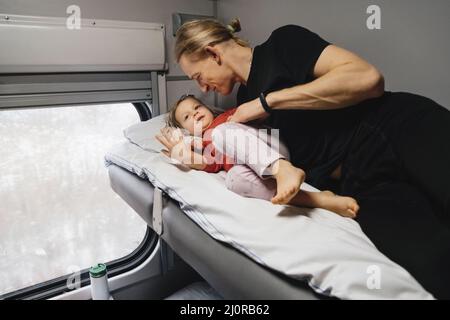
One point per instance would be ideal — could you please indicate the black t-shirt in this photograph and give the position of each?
(316, 139)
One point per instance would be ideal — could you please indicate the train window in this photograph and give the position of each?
(57, 210)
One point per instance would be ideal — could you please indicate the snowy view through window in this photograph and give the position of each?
(57, 209)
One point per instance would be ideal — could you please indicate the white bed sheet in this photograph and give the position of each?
(330, 252)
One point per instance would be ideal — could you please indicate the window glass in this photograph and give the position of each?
(57, 209)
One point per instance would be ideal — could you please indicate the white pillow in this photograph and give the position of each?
(143, 133)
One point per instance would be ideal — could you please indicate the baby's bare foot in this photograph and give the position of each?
(344, 206)
(289, 179)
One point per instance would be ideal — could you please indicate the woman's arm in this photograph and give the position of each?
(341, 78)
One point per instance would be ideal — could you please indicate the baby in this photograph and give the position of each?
(272, 177)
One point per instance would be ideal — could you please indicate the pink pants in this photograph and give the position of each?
(254, 151)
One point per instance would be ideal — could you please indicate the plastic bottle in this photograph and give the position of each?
(99, 282)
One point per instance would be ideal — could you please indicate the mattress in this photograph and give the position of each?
(222, 266)
(328, 253)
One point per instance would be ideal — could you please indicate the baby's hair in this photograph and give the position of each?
(171, 120)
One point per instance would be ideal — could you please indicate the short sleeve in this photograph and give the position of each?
(298, 49)
(213, 168)
(226, 164)
(242, 96)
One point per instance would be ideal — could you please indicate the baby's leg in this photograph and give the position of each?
(242, 180)
(247, 147)
(344, 206)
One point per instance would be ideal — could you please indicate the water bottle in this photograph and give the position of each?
(99, 282)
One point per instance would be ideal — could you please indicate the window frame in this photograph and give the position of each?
(58, 286)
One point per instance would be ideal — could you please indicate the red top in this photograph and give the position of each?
(226, 163)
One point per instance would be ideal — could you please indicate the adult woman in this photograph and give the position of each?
(388, 150)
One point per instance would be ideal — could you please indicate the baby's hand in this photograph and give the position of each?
(173, 140)
(170, 137)
(248, 111)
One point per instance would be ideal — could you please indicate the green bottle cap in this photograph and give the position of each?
(97, 271)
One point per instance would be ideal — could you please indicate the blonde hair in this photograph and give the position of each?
(194, 36)
(172, 121)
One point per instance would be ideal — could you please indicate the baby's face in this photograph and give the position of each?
(192, 115)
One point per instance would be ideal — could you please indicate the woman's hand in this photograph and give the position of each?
(177, 149)
(249, 111)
